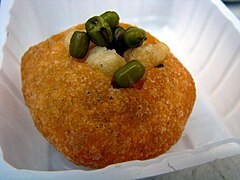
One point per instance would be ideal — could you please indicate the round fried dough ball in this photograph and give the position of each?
(75, 107)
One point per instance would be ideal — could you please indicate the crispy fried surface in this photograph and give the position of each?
(93, 124)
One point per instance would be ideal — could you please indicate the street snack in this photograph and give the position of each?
(108, 94)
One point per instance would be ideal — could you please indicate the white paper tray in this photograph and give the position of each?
(204, 35)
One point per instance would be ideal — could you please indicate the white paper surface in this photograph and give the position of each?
(202, 34)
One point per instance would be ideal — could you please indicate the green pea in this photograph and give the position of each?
(134, 37)
(128, 74)
(99, 31)
(111, 17)
(118, 34)
(130, 27)
(118, 40)
(79, 44)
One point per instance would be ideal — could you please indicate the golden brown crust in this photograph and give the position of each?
(93, 124)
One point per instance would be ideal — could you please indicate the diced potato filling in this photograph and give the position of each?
(106, 60)
(150, 55)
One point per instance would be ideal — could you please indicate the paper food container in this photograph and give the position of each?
(204, 35)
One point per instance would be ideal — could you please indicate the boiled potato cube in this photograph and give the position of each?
(150, 55)
(106, 60)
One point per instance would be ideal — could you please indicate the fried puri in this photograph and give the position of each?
(76, 108)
